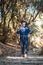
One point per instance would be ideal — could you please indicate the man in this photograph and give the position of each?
(24, 30)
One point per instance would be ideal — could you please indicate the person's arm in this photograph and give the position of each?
(30, 31)
(18, 31)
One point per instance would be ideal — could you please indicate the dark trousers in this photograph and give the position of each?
(24, 47)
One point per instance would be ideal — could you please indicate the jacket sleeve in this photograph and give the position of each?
(18, 31)
(29, 30)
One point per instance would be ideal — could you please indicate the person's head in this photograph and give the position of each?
(31, 4)
(23, 23)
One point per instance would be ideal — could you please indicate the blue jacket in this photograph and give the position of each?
(24, 31)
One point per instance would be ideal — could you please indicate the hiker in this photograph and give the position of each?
(24, 30)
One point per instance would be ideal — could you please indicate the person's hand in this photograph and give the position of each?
(28, 35)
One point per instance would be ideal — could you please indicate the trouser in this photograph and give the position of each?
(24, 47)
